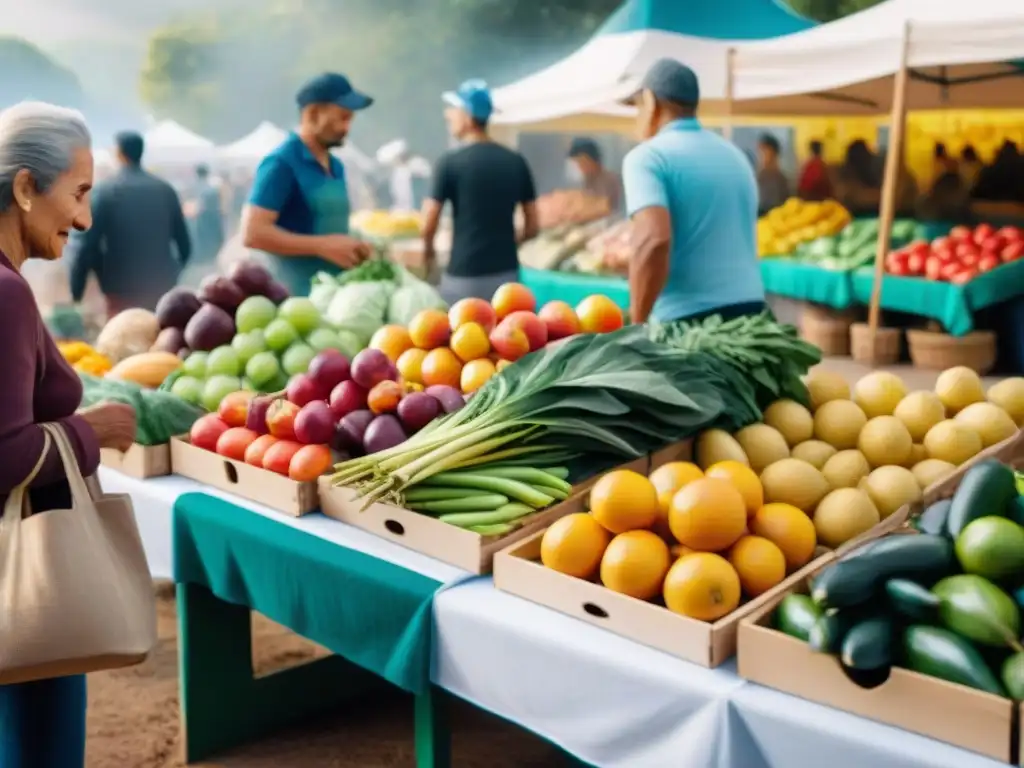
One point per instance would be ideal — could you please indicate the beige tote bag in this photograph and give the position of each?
(75, 590)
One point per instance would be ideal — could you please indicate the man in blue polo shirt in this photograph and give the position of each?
(692, 197)
(298, 210)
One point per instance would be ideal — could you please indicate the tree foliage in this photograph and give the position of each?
(31, 74)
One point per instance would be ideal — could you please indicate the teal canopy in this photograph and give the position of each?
(716, 20)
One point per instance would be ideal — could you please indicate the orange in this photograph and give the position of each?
(759, 563)
(475, 374)
(789, 529)
(410, 365)
(702, 586)
(743, 479)
(708, 515)
(574, 545)
(635, 564)
(392, 340)
(469, 342)
(678, 550)
(669, 478)
(429, 329)
(441, 366)
(624, 500)
(599, 314)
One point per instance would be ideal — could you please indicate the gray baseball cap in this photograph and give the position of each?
(670, 80)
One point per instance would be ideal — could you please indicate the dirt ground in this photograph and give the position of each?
(133, 720)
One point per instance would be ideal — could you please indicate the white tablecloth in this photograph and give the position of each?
(610, 702)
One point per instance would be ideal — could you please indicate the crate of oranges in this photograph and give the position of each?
(673, 559)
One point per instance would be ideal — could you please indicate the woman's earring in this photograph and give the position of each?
(26, 206)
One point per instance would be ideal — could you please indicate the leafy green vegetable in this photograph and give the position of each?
(760, 350)
(412, 296)
(602, 397)
(322, 290)
(159, 415)
(360, 307)
(371, 270)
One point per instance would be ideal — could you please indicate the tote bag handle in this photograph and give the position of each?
(80, 494)
(16, 499)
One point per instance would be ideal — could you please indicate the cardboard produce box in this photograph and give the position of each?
(959, 715)
(268, 488)
(456, 546)
(139, 461)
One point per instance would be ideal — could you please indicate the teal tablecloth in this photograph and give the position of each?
(369, 611)
(952, 305)
(573, 287)
(806, 282)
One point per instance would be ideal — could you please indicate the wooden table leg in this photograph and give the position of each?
(433, 731)
(222, 704)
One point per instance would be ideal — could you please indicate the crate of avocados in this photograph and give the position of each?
(442, 528)
(272, 489)
(139, 461)
(918, 628)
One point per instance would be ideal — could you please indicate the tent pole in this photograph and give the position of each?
(893, 168)
(730, 74)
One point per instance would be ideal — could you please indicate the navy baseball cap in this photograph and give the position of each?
(585, 147)
(473, 97)
(332, 88)
(670, 80)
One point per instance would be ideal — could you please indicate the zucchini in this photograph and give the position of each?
(987, 489)
(796, 615)
(828, 632)
(943, 654)
(912, 601)
(974, 607)
(933, 519)
(868, 644)
(1012, 674)
(1016, 510)
(860, 577)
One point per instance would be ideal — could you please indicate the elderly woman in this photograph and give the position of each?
(46, 172)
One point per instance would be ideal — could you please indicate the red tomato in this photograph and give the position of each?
(309, 462)
(940, 242)
(234, 443)
(206, 431)
(948, 270)
(964, 276)
(920, 246)
(966, 249)
(988, 263)
(279, 456)
(960, 233)
(258, 449)
(1013, 251)
(970, 259)
(933, 267)
(1010, 234)
(994, 244)
(915, 264)
(983, 232)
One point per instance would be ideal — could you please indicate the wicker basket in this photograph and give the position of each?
(939, 351)
(827, 329)
(885, 349)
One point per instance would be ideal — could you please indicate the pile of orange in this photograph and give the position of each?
(466, 346)
(701, 541)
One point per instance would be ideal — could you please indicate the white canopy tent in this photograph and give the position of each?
(253, 147)
(168, 142)
(957, 52)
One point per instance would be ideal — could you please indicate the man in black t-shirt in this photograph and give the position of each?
(484, 182)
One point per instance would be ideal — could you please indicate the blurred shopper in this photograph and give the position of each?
(692, 197)
(772, 184)
(298, 213)
(597, 180)
(815, 182)
(859, 181)
(1001, 181)
(394, 156)
(209, 218)
(138, 242)
(970, 166)
(485, 183)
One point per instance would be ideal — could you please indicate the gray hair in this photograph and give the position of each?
(41, 139)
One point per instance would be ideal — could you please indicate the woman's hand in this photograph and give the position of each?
(113, 423)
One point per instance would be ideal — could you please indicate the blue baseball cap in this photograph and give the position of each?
(670, 80)
(332, 88)
(473, 97)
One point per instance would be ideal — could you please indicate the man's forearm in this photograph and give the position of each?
(280, 242)
(648, 273)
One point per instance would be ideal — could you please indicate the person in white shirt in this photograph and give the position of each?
(395, 155)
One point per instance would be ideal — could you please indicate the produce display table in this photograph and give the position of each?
(807, 282)
(952, 305)
(607, 700)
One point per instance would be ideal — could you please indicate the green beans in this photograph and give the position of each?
(492, 530)
(513, 489)
(507, 513)
(538, 478)
(485, 501)
(420, 493)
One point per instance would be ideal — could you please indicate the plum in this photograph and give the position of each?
(256, 414)
(222, 292)
(329, 369)
(384, 432)
(450, 398)
(370, 367)
(417, 409)
(251, 276)
(314, 424)
(346, 398)
(209, 328)
(170, 339)
(176, 307)
(276, 292)
(352, 429)
(302, 389)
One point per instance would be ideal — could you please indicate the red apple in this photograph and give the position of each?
(281, 419)
(206, 431)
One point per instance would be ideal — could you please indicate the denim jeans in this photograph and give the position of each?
(42, 723)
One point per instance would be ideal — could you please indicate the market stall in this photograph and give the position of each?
(169, 144)
(254, 146)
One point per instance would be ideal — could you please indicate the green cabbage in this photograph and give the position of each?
(322, 291)
(360, 307)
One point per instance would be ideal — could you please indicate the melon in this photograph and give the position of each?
(762, 445)
(889, 488)
(814, 452)
(795, 482)
(991, 422)
(951, 441)
(824, 386)
(885, 440)
(1008, 394)
(791, 420)
(843, 515)
(919, 412)
(846, 469)
(930, 471)
(715, 445)
(879, 393)
(959, 387)
(839, 423)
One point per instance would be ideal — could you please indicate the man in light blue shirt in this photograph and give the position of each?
(692, 196)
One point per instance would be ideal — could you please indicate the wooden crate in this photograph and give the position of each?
(139, 461)
(268, 488)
